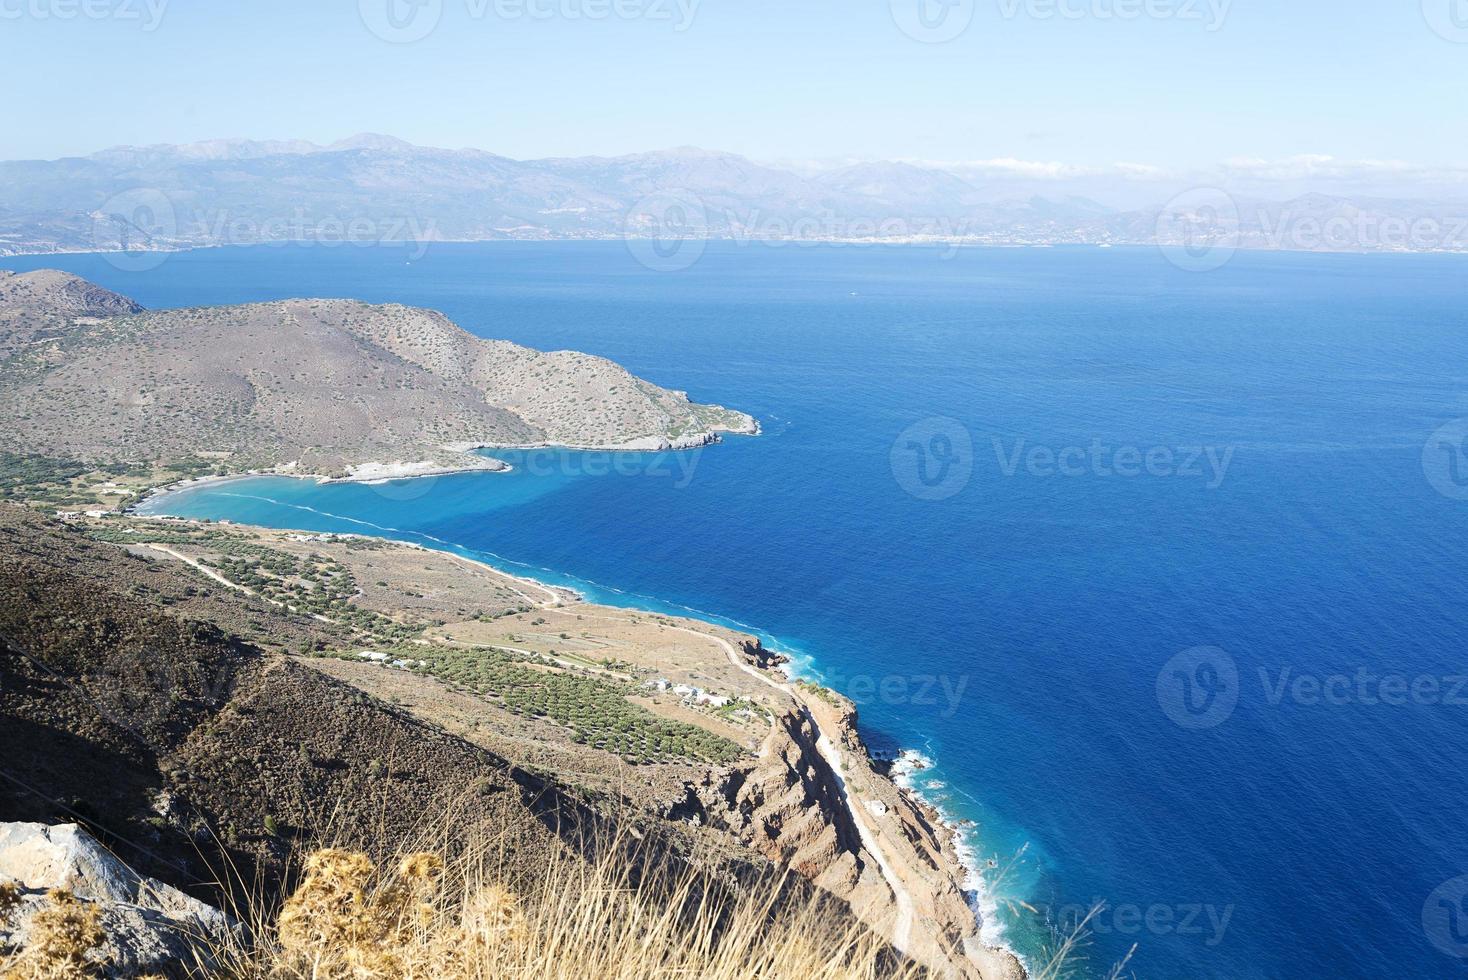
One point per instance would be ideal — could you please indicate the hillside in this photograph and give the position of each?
(196, 694)
(44, 303)
(134, 703)
(50, 291)
(325, 385)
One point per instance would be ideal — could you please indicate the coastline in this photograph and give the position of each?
(374, 473)
(915, 241)
(904, 771)
(987, 949)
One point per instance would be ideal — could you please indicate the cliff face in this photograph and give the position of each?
(854, 833)
(789, 808)
(920, 850)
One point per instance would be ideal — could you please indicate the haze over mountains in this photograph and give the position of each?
(376, 188)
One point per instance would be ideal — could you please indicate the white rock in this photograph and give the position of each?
(149, 925)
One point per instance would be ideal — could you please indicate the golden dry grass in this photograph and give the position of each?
(420, 918)
(63, 934)
(350, 919)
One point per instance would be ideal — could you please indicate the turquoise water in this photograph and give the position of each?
(937, 521)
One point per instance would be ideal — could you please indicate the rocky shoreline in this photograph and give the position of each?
(922, 849)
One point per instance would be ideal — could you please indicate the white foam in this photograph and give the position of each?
(911, 762)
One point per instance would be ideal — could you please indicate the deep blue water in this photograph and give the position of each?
(1026, 624)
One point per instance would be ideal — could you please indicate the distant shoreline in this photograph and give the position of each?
(773, 242)
(385, 472)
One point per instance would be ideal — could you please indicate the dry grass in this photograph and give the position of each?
(1065, 959)
(10, 898)
(418, 917)
(475, 918)
(63, 934)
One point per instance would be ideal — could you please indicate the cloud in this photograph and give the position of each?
(1031, 169)
(1130, 183)
(1255, 175)
(1316, 166)
(1143, 171)
(1012, 167)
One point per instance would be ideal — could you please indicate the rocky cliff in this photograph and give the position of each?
(853, 833)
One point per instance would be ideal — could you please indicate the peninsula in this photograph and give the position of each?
(306, 386)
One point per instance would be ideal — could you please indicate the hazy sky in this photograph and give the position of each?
(1085, 84)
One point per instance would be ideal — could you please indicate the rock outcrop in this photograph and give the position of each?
(148, 927)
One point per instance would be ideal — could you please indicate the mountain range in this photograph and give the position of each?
(372, 188)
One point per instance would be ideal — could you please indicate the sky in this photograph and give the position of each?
(1266, 88)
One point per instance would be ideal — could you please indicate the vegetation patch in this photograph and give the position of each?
(595, 709)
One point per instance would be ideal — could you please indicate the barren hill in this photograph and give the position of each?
(43, 303)
(52, 291)
(325, 384)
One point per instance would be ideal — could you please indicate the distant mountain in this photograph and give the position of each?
(373, 188)
(903, 187)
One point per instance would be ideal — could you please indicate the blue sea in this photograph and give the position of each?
(1165, 572)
